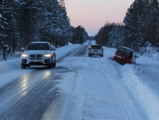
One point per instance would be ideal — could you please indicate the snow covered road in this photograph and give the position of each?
(80, 88)
(96, 92)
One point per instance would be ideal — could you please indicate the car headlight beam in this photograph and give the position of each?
(24, 55)
(47, 55)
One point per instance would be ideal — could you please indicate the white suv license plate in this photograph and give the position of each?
(35, 60)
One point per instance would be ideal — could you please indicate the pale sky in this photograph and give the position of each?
(93, 14)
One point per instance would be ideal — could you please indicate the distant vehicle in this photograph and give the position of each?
(38, 53)
(95, 50)
(125, 55)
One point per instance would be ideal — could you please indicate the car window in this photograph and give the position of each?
(127, 52)
(124, 52)
(38, 46)
(121, 51)
(96, 47)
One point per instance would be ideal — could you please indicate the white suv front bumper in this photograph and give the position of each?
(36, 59)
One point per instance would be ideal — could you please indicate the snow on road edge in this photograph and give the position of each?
(143, 93)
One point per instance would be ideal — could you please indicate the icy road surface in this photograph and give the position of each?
(79, 88)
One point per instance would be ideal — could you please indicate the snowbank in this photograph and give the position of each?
(143, 60)
(9, 64)
(62, 51)
(145, 96)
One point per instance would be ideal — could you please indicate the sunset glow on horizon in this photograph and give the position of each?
(93, 14)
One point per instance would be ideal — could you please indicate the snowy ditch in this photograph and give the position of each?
(7, 65)
(144, 95)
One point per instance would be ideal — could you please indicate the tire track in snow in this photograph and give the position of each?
(84, 98)
(29, 102)
(13, 112)
(142, 91)
(129, 110)
(38, 98)
(69, 104)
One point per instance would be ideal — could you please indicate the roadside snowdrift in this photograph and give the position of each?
(144, 95)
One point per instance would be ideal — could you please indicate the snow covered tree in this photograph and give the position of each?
(134, 25)
(42, 20)
(12, 27)
(64, 27)
(23, 21)
(4, 15)
(102, 37)
(26, 21)
(3, 21)
(62, 3)
(116, 36)
(142, 23)
(79, 35)
(152, 33)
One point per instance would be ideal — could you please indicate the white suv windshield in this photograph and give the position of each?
(38, 46)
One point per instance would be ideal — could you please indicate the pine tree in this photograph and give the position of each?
(116, 36)
(102, 37)
(3, 21)
(153, 28)
(134, 25)
(24, 21)
(4, 15)
(62, 4)
(79, 35)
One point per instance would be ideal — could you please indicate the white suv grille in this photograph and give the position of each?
(35, 56)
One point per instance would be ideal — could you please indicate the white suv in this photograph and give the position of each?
(38, 53)
(95, 50)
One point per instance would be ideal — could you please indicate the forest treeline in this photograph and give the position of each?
(140, 27)
(23, 21)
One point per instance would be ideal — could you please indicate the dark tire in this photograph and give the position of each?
(101, 55)
(23, 66)
(54, 64)
(50, 66)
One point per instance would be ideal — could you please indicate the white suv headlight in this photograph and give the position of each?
(47, 55)
(24, 55)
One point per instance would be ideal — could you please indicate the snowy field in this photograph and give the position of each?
(100, 88)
